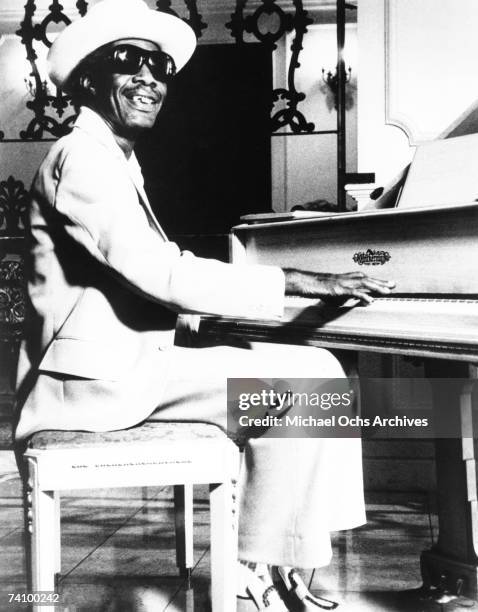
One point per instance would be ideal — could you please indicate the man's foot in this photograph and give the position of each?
(297, 595)
(255, 589)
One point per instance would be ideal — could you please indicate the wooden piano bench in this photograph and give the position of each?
(152, 454)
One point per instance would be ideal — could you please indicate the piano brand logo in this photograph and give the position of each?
(371, 257)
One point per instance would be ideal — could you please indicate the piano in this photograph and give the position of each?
(432, 255)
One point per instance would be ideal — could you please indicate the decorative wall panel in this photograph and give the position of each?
(12, 299)
(13, 203)
(430, 63)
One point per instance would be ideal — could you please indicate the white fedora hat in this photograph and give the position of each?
(111, 20)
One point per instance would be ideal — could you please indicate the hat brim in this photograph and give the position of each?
(101, 26)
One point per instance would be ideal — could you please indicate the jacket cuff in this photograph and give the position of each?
(268, 288)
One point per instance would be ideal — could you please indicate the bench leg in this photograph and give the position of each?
(183, 516)
(43, 531)
(223, 546)
(57, 535)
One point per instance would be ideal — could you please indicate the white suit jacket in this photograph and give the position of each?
(104, 282)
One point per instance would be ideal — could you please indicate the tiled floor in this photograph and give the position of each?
(119, 542)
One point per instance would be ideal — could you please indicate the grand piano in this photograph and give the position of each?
(432, 255)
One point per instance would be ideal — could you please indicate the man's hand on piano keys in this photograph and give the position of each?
(336, 286)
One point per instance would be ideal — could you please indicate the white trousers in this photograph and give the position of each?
(294, 492)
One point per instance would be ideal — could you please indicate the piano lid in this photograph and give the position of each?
(264, 220)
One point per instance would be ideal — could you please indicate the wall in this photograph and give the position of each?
(418, 61)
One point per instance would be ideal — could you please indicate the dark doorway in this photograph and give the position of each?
(207, 161)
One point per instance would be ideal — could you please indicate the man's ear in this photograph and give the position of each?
(86, 83)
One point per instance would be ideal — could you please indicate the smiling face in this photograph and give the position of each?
(129, 103)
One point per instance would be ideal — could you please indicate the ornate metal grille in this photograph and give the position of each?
(48, 110)
(298, 22)
(53, 114)
(195, 18)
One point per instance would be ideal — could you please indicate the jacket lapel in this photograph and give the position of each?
(137, 178)
(92, 123)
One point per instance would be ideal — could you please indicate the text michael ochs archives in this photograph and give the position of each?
(319, 408)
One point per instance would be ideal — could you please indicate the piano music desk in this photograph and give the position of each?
(432, 255)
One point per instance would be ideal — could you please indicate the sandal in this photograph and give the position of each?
(259, 588)
(295, 586)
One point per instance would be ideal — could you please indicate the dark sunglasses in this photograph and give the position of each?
(128, 59)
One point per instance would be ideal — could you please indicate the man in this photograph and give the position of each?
(105, 286)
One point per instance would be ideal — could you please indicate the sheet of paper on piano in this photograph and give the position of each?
(284, 216)
(442, 173)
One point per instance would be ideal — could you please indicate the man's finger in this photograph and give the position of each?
(361, 276)
(354, 274)
(373, 286)
(364, 297)
(382, 281)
